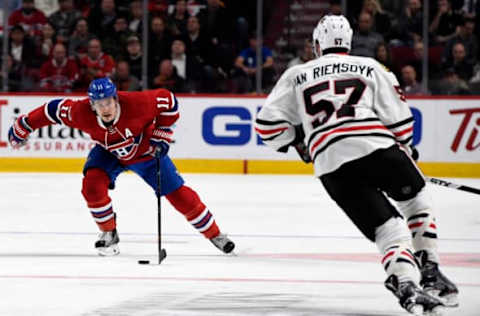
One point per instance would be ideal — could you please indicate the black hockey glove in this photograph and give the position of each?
(299, 145)
(414, 153)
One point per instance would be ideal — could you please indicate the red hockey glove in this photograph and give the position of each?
(19, 132)
(161, 139)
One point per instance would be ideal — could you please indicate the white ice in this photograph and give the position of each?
(297, 253)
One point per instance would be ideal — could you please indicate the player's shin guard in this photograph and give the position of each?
(95, 192)
(187, 202)
(421, 222)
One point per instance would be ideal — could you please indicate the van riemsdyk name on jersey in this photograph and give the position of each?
(335, 68)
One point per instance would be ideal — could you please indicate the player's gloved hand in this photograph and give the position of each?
(414, 153)
(299, 145)
(19, 132)
(161, 139)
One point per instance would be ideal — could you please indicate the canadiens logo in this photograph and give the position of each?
(127, 149)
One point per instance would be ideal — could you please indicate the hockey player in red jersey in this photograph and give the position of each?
(128, 128)
(357, 127)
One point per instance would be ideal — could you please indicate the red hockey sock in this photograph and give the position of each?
(95, 191)
(187, 202)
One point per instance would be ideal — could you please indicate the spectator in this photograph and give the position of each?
(136, 19)
(417, 63)
(46, 6)
(179, 17)
(408, 27)
(15, 74)
(168, 78)
(95, 64)
(60, 72)
(246, 68)
(64, 19)
(158, 7)
(214, 21)
(462, 67)
(380, 19)
(382, 55)
(134, 57)
(364, 39)
(196, 43)
(160, 41)
(334, 7)
(410, 84)
(452, 84)
(78, 44)
(123, 79)
(445, 22)
(101, 19)
(465, 36)
(303, 55)
(45, 42)
(188, 67)
(22, 49)
(30, 18)
(115, 43)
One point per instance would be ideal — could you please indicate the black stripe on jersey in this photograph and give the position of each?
(421, 215)
(406, 121)
(263, 122)
(370, 119)
(406, 261)
(430, 235)
(406, 140)
(340, 137)
(392, 247)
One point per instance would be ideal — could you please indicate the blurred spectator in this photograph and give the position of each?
(470, 8)
(158, 7)
(467, 38)
(116, 42)
(78, 43)
(188, 67)
(95, 64)
(410, 84)
(382, 55)
(445, 22)
(29, 17)
(44, 42)
(60, 72)
(462, 67)
(380, 19)
(134, 57)
(452, 84)
(195, 41)
(334, 7)
(136, 19)
(214, 21)
(246, 63)
(303, 55)
(179, 17)
(22, 49)
(64, 19)
(123, 79)
(408, 26)
(364, 39)
(160, 41)
(168, 78)
(15, 74)
(102, 18)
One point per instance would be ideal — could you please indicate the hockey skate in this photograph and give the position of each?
(107, 244)
(223, 243)
(413, 298)
(435, 282)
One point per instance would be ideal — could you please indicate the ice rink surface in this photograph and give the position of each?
(297, 253)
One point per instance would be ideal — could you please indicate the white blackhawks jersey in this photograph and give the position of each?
(348, 106)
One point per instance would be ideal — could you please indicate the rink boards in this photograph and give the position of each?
(215, 133)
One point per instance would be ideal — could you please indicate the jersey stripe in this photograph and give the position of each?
(51, 111)
(346, 122)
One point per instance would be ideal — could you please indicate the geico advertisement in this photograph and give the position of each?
(445, 130)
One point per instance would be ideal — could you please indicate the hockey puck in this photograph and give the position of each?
(143, 261)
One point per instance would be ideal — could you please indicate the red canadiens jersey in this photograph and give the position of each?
(58, 77)
(128, 137)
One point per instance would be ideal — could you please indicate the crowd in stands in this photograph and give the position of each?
(197, 46)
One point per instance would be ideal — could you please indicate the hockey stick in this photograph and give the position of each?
(162, 253)
(453, 185)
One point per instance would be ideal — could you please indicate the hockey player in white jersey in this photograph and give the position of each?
(350, 116)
